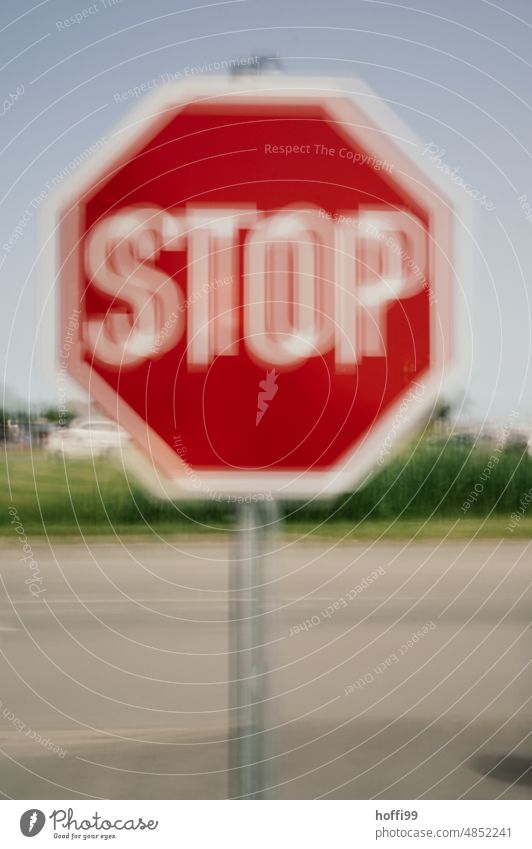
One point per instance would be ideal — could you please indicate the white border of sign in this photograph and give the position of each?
(351, 103)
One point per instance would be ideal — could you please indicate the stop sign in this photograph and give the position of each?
(262, 283)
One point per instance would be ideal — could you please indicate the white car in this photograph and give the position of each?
(87, 438)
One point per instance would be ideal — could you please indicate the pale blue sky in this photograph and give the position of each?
(458, 73)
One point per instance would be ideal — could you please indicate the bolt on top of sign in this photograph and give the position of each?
(263, 277)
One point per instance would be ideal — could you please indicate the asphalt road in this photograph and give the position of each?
(114, 678)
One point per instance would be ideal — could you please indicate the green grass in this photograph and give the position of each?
(73, 496)
(420, 494)
(445, 528)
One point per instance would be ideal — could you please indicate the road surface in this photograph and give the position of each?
(399, 670)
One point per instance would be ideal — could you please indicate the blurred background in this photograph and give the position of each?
(115, 617)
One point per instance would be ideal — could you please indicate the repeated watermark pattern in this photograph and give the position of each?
(84, 14)
(525, 206)
(517, 515)
(267, 392)
(9, 716)
(491, 464)
(11, 99)
(37, 201)
(62, 372)
(345, 153)
(393, 658)
(435, 154)
(96, 650)
(340, 603)
(35, 581)
(213, 494)
(188, 71)
(175, 316)
(403, 417)
(386, 239)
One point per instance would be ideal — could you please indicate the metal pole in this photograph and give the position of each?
(248, 668)
(257, 523)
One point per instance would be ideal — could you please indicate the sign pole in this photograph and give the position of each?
(248, 668)
(255, 524)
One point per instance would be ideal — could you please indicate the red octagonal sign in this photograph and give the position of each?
(262, 280)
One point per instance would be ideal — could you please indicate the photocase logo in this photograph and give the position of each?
(269, 390)
(32, 822)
